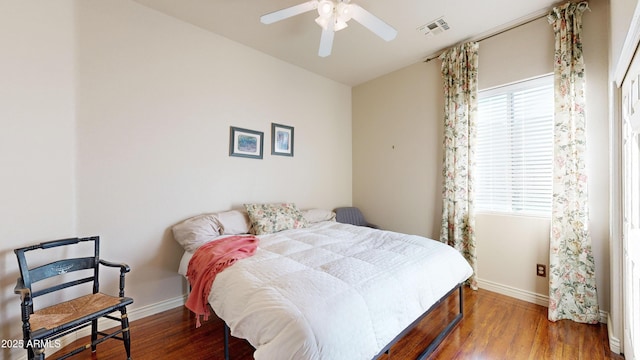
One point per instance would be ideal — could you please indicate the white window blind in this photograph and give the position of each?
(514, 153)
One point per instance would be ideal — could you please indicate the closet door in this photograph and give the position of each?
(631, 210)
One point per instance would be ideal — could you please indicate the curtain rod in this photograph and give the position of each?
(481, 38)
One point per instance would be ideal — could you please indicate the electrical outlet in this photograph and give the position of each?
(541, 270)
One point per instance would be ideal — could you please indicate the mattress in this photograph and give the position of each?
(332, 291)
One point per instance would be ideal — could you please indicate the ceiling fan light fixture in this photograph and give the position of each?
(343, 10)
(325, 8)
(333, 16)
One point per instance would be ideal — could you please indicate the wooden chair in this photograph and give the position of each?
(42, 326)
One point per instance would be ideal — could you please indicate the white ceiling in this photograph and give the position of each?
(358, 55)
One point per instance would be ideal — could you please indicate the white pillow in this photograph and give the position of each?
(318, 215)
(233, 222)
(195, 231)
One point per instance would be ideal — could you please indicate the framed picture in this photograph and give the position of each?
(281, 140)
(246, 143)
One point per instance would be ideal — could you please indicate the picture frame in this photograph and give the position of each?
(246, 143)
(281, 140)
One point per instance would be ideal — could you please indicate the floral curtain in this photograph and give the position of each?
(572, 280)
(460, 75)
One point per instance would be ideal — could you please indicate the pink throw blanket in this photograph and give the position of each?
(209, 260)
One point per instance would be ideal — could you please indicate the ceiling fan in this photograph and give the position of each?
(333, 16)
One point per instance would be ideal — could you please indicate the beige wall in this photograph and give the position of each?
(37, 138)
(116, 122)
(403, 192)
(397, 152)
(156, 98)
(622, 11)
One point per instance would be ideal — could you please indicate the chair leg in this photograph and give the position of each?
(126, 336)
(38, 353)
(94, 335)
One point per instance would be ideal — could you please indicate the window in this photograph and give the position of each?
(514, 152)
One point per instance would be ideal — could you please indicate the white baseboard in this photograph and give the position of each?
(152, 309)
(527, 296)
(513, 292)
(134, 314)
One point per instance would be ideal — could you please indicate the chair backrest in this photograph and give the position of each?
(350, 215)
(59, 267)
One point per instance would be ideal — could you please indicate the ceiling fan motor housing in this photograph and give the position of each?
(333, 16)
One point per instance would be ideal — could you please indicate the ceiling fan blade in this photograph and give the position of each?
(373, 23)
(326, 42)
(289, 12)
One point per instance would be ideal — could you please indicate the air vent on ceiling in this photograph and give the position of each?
(434, 28)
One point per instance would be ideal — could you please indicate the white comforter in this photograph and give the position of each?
(333, 291)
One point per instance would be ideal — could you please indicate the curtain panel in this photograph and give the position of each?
(572, 279)
(460, 77)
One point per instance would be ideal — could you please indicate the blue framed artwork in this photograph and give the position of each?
(246, 143)
(281, 140)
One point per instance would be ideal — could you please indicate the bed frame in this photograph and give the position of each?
(386, 350)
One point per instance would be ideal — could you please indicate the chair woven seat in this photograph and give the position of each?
(52, 322)
(69, 311)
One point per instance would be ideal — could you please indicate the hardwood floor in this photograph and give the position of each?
(494, 327)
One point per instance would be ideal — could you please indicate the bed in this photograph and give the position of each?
(326, 290)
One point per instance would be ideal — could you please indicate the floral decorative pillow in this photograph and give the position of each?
(271, 218)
